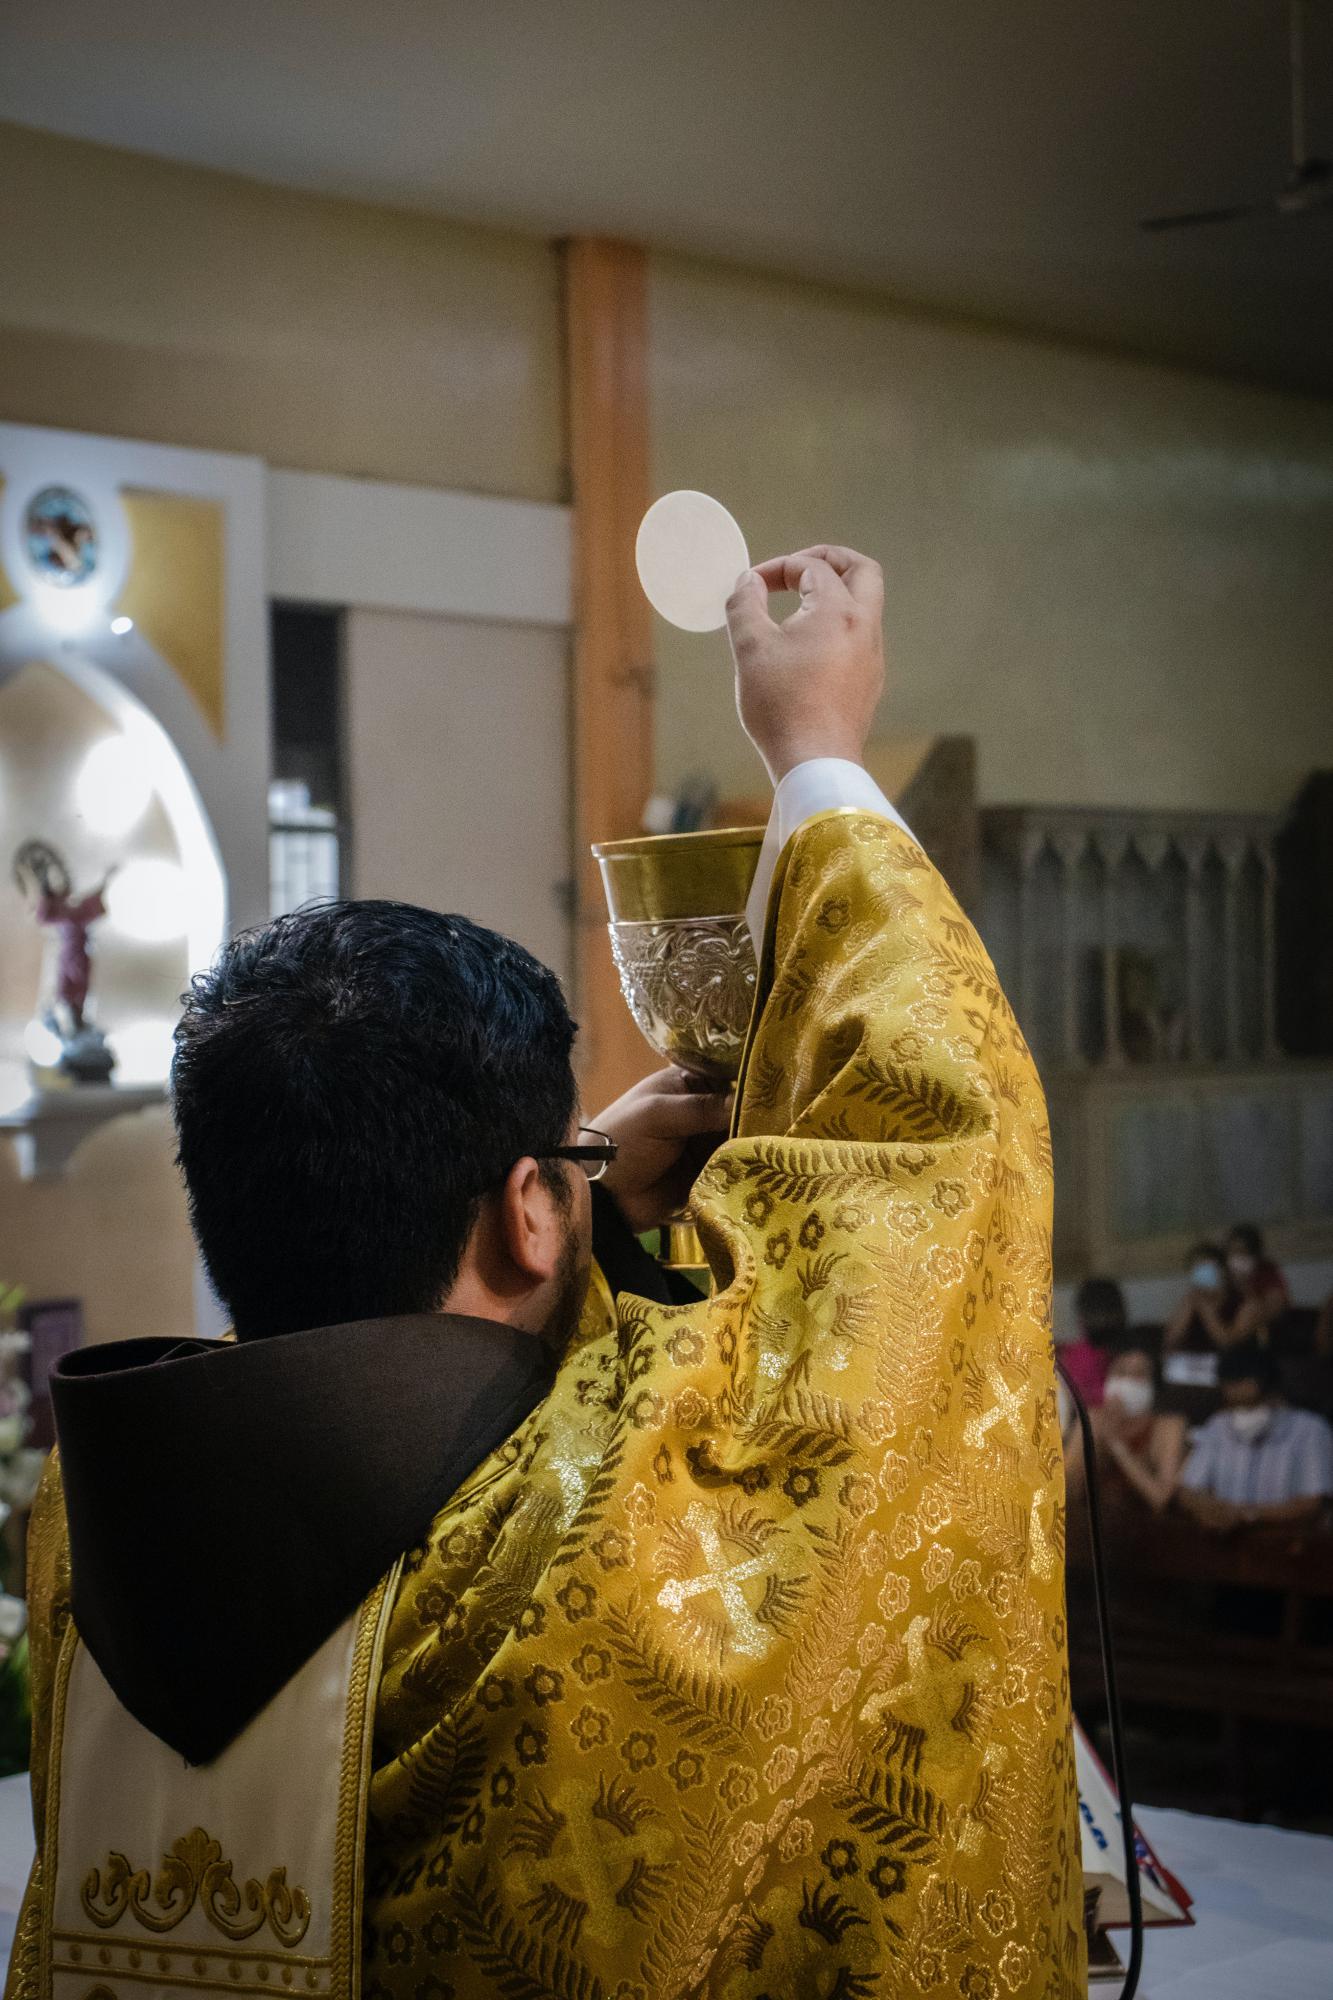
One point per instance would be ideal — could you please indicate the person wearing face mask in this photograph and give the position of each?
(1257, 1463)
(1140, 1449)
(1205, 1316)
(1260, 1285)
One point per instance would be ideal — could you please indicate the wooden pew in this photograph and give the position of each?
(1167, 1576)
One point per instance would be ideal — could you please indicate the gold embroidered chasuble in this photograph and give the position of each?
(739, 1670)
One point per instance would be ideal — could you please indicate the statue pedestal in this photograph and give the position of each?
(50, 1125)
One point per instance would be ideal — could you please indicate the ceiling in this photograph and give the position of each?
(985, 156)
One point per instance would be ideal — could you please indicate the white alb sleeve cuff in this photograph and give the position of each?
(820, 785)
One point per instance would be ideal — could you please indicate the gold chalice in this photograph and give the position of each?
(684, 953)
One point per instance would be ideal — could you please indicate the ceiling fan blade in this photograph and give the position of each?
(1195, 217)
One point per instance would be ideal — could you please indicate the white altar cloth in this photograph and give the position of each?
(1263, 1905)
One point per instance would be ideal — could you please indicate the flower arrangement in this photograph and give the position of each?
(20, 1470)
(20, 1464)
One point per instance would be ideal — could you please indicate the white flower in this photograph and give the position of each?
(13, 1619)
(20, 1477)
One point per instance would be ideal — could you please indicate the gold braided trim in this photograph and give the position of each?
(189, 1979)
(227, 1951)
(48, 1598)
(25, 1958)
(51, 1832)
(354, 1784)
(87, 1955)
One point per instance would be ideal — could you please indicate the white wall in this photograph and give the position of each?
(1117, 576)
(416, 548)
(156, 300)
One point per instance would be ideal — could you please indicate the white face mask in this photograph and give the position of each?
(1241, 1266)
(1132, 1392)
(1206, 1278)
(1252, 1424)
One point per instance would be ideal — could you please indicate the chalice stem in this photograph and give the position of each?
(681, 1248)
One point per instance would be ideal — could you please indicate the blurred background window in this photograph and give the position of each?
(306, 823)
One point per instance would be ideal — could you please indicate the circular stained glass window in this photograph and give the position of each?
(61, 536)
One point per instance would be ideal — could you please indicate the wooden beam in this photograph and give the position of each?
(606, 339)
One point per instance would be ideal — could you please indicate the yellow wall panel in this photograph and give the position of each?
(174, 593)
(8, 594)
(145, 299)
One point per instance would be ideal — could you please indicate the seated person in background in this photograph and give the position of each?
(1257, 1463)
(1262, 1288)
(1209, 1306)
(1100, 1310)
(1139, 1447)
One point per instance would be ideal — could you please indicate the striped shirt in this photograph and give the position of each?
(1293, 1460)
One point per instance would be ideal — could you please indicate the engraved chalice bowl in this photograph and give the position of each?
(683, 950)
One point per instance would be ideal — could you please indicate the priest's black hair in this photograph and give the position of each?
(348, 1082)
(1248, 1361)
(1248, 1236)
(1100, 1306)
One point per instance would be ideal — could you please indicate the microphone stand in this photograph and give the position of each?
(1113, 1718)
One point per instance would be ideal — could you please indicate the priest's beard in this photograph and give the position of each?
(571, 1288)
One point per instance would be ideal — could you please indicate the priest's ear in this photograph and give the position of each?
(532, 1214)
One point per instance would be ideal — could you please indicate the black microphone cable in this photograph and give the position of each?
(1113, 1718)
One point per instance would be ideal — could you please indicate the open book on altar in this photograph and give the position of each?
(1107, 1901)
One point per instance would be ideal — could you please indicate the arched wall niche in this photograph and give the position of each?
(187, 686)
(54, 723)
(205, 728)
